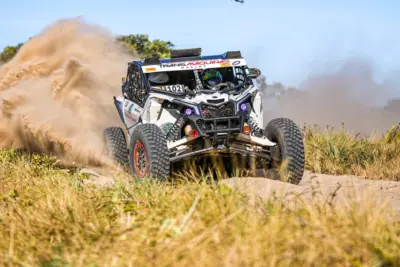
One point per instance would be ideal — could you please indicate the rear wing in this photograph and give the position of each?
(194, 64)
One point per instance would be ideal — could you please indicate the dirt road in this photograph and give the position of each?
(345, 186)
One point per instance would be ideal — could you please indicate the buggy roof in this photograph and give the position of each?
(228, 59)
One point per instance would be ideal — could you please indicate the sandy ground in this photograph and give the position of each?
(344, 187)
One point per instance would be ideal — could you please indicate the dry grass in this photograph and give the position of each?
(51, 217)
(337, 152)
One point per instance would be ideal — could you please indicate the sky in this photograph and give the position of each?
(287, 40)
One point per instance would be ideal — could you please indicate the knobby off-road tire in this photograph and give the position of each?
(288, 137)
(116, 146)
(148, 152)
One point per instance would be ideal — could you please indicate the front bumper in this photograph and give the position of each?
(219, 150)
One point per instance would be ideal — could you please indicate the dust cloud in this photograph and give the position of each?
(56, 93)
(349, 96)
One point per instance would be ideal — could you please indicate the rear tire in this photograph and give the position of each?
(116, 147)
(288, 137)
(148, 153)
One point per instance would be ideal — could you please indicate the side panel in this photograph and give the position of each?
(151, 110)
(258, 114)
(154, 113)
(131, 112)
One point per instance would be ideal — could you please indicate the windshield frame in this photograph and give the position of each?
(197, 81)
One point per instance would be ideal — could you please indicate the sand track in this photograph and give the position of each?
(313, 186)
(344, 186)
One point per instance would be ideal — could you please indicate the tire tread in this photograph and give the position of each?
(294, 146)
(157, 150)
(116, 145)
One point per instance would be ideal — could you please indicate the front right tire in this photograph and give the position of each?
(116, 147)
(148, 152)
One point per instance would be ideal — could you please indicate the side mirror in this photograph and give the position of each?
(254, 73)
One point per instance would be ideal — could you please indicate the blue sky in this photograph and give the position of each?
(287, 40)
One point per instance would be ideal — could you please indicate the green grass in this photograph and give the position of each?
(51, 217)
(336, 152)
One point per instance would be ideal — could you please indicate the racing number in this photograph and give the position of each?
(172, 88)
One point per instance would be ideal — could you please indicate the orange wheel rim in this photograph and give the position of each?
(140, 160)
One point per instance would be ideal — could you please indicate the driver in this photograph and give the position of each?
(211, 77)
(158, 77)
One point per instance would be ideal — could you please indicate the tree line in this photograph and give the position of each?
(135, 43)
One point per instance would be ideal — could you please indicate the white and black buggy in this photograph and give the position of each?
(192, 106)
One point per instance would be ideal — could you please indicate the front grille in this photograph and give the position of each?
(224, 110)
(215, 101)
(219, 125)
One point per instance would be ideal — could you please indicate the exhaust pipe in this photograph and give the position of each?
(190, 132)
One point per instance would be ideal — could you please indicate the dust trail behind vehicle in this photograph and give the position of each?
(349, 95)
(56, 93)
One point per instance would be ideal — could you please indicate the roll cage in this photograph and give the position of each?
(136, 86)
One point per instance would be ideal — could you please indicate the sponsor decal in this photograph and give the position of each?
(200, 63)
(207, 62)
(172, 65)
(131, 119)
(131, 114)
(226, 64)
(196, 64)
(131, 108)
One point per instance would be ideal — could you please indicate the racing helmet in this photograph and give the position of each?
(158, 77)
(211, 77)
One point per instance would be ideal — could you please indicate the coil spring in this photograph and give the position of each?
(254, 127)
(175, 129)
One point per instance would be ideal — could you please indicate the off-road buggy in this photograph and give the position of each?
(194, 106)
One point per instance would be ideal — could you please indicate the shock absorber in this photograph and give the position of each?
(254, 127)
(175, 129)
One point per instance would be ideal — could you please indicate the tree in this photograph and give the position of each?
(9, 52)
(138, 43)
(141, 44)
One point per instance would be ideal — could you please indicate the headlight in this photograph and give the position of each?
(242, 103)
(186, 108)
(243, 107)
(189, 111)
